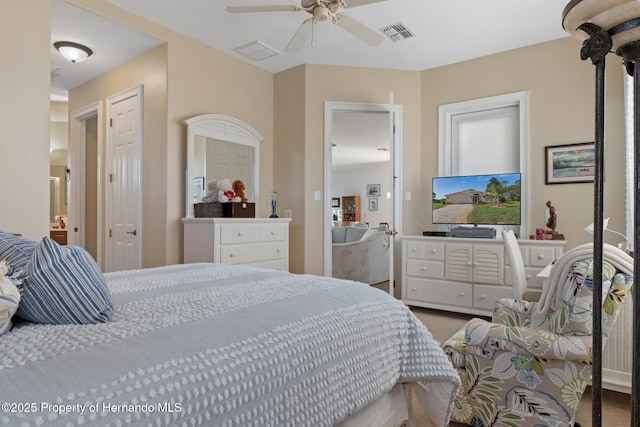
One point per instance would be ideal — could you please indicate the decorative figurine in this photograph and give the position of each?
(552, 219)
(274, 201)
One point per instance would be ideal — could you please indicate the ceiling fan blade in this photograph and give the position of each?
(356, 3)
(359, 30)
(300, 37)
(249, 9)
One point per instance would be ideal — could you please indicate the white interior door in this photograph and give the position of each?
(124, 181)
(230, 160)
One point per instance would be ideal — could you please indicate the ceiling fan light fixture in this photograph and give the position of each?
(73, 52)
(321, 13)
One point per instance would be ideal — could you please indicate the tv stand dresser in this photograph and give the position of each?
(467, 275)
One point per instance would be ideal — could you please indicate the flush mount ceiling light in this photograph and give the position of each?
(73, 52)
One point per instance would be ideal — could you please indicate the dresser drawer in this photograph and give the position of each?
(532, 280)
(276, 264)
(243, 254)
(414, 250)
(485, 297)
(233, 234)
(424, 268)
(460, 294)
(271, 232)
(425, 250)
(540, 256)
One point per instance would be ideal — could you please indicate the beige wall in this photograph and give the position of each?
(148, 70)
(561, 111)
(289, 157)
(203, 80)
(197, 79)
(24, 117)
(337, 84)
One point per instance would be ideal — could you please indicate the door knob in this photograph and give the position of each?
(134, 232)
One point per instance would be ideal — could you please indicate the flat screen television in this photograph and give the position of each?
(491, 199)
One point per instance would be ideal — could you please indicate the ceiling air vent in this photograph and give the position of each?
(256, 51)
(397, 32)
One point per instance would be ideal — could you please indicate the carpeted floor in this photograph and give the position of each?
(616, 407)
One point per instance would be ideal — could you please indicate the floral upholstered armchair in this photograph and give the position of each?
(531, 364)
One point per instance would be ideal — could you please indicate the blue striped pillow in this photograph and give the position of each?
(64, 285)
(16, 250)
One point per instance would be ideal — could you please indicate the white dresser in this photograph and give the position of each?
(260, 242)
(467, 275)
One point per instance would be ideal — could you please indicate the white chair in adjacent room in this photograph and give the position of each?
(518, 273)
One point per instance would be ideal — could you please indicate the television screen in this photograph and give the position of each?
(492, 199)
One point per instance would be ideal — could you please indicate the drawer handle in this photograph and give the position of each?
(424, 269)
(239, 234)
(273, 233)
(461, 294)
(483, 296)
(278, 250)
(414, 289)
(231, 255)
(433, 251)
(414, 250)
(540, 256)
(528, 276)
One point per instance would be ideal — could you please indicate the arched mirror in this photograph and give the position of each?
(220, 147)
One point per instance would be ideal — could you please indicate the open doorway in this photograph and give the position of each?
(362, 164)
(85, 199)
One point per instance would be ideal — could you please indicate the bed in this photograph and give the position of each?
(220, 345)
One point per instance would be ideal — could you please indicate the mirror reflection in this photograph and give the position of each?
(214, 159)
(220, 147)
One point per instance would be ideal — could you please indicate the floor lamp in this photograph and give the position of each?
(610, 26)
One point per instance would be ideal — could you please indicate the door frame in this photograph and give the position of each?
(136, 91)
(395, 175)
(76, 217)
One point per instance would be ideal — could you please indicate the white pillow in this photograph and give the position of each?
(370, 234)
(9, 296)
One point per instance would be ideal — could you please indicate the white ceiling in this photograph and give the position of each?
(446, 31)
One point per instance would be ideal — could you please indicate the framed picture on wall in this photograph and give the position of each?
(373, 190)
(335, 202)
(570, 163)
(373, 204)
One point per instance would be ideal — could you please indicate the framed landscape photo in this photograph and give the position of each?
(570, 163)
(373, 190)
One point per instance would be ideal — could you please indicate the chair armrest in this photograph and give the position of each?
(533, 342)
(455, 347)
(510, 312)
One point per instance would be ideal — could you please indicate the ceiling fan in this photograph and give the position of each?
(320, 10)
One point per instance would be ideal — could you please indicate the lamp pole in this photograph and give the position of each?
(606, 27)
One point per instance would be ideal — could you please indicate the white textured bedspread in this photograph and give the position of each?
(218, 345)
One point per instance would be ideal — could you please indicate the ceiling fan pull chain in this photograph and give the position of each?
(313, 33)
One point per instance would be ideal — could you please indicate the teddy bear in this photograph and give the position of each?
(225, 192)
(238, 188)
(212, 192)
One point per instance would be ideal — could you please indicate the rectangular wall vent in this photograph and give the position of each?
(397, 32)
